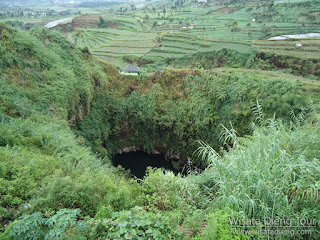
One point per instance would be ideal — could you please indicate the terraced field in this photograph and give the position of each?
(177, 45)
(215, 21)
(132, 36)
(310, 48)
(86, 21)
(113, 44)
(218, 26)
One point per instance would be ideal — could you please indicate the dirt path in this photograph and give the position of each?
(272, 73)
(142, 22)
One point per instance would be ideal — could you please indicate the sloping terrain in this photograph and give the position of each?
(248, 138)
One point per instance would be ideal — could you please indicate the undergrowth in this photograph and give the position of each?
(61, 120)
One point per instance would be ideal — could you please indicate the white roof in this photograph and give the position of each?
(297, 36)
(277, 38)
(58, 22)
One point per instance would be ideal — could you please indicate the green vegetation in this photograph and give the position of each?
(112, 45)
(237, 114)
(260, 60)
(56, 100)
(157, 33)
(290, 48)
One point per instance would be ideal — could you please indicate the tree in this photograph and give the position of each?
(102, 23)
(265, 31)
(270, 5)
(234, 26)
(133, 7)
(155, 24)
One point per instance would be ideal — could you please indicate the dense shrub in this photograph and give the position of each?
(64, 224)
(48, 175)
(258, 60)
(135, 223)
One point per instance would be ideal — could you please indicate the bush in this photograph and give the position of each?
(64, 224)
(134, 224)
(267, 176)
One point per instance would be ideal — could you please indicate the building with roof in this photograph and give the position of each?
(132, 69)
(55, 23)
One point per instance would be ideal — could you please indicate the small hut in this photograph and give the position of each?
(132, 69)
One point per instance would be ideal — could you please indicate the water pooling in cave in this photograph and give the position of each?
(137, 162)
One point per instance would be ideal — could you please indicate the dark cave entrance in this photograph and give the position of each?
(138, 161)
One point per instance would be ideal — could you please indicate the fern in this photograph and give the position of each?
(62, 225)
(30, 227)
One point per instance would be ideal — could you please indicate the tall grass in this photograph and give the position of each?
(267, 174)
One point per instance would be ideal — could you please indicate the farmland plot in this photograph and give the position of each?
(181, 44)
(306, 48)
(113, 44)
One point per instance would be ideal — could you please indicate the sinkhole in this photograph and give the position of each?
(138, 161)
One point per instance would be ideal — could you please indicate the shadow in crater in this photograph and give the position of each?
(138, 161)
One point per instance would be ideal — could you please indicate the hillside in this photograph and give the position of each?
(157, 33)
(249, 140)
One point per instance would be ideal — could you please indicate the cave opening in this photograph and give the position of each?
(138, 161)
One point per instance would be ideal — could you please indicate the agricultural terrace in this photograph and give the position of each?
(309, 47)
(112, 44)
(164, 30)
(246, 21)
(176, 45)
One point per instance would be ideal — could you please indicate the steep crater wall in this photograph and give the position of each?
(168, 112)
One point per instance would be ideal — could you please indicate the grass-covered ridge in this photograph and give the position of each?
(55, 100)
(46, 86)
